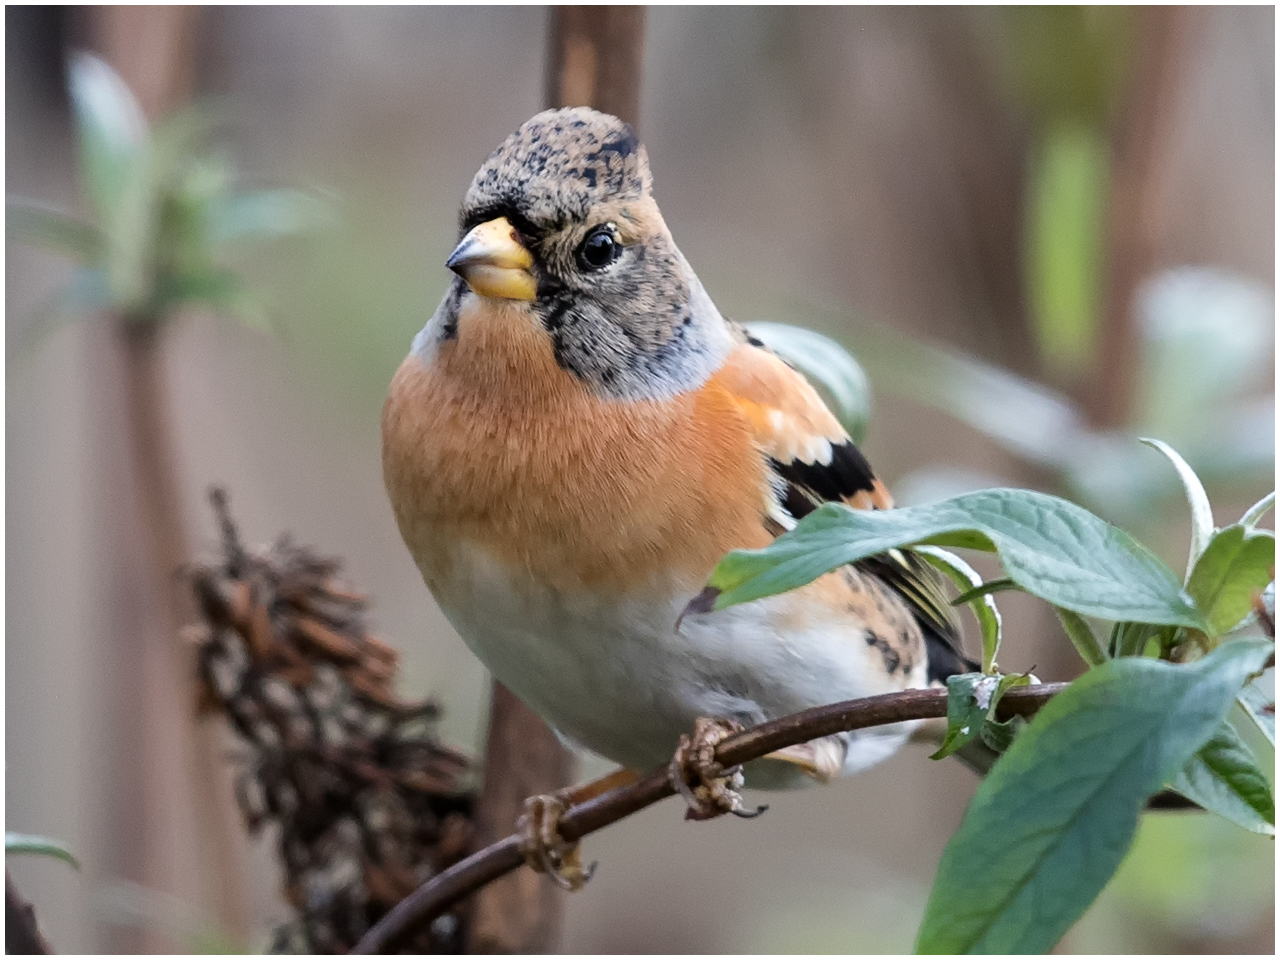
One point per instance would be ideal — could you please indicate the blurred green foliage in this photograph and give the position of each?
(165, 213)
(1067, 66)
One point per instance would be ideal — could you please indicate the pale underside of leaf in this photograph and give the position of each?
(983, 605)
(1201, 513)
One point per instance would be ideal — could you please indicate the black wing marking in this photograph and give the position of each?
(803, 487)
(809, 485)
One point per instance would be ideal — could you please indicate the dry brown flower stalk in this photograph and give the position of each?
(365, 803)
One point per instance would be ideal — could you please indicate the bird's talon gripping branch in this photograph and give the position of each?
(707, 788)
(545, 850)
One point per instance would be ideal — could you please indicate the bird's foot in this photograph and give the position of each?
(708, 788)
(544, 849)
(539, 828)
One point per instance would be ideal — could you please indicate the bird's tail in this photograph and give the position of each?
(922, 587)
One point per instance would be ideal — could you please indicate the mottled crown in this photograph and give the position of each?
(557, 166)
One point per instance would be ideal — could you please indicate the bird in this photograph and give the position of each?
(578, 435)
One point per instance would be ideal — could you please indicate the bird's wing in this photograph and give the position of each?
(813, 461)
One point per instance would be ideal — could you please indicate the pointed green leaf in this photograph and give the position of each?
(39, 846)
(1223, 777)
(983, 606)
(1050, 824)
(1081, 637)
(1258, 510)
(1258, 700)
(1051, 548)
(1201, 513)
(110, 127)
(1235, 567)
(827, 364)
(984, 590)
(1130, 639)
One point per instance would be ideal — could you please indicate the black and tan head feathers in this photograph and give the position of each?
(556, 169)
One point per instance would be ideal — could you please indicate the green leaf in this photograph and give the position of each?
(985, 590)
(1051, 548)
(1259, 703)
(1081, 636)
(1258, 510)
(1131, 639)
(1223, 777)
(139, 248)
(40, 846)
(1201, 513)
(1048, 827)
(826, 363)
(1067, 202)
(998, 736)
(265, 215)
(972, 699)
(964, 716)
(28, 221)
(1235, 567)
(983, 606)
(111, 128)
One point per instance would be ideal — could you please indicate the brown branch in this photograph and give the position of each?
(504, 856)
(595, 61)
(21, 934)
(1138, 200)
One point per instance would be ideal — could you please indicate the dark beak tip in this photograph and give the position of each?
(456, 259)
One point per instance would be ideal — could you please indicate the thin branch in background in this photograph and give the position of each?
(365, 802)
(21, 933)
(596, 59)
(593, 60)
(1137, 202)
(163, 756)
(498, 859)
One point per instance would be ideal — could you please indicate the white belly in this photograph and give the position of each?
(612, 674)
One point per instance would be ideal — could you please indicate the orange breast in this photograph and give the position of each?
(490, 442)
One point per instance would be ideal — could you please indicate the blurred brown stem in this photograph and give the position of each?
(502, 857)
(168, 768)
(1138, 198)
(594, 60)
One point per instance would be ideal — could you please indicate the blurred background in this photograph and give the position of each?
(1044, 232)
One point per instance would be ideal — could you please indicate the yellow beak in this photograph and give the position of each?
(494, 262)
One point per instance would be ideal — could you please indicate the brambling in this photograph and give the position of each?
(577, 437)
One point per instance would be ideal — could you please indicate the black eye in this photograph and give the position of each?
(600, 248)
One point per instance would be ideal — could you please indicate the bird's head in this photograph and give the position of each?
(560, 223)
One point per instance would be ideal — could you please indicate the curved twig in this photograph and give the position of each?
(487, 865)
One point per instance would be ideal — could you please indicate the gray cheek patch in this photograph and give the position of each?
(653, 332)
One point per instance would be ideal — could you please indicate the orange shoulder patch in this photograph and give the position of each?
(808, 447)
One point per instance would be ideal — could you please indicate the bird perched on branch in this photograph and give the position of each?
(577, 437)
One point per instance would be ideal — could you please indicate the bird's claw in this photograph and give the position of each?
(708, 789)
(545, 850)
